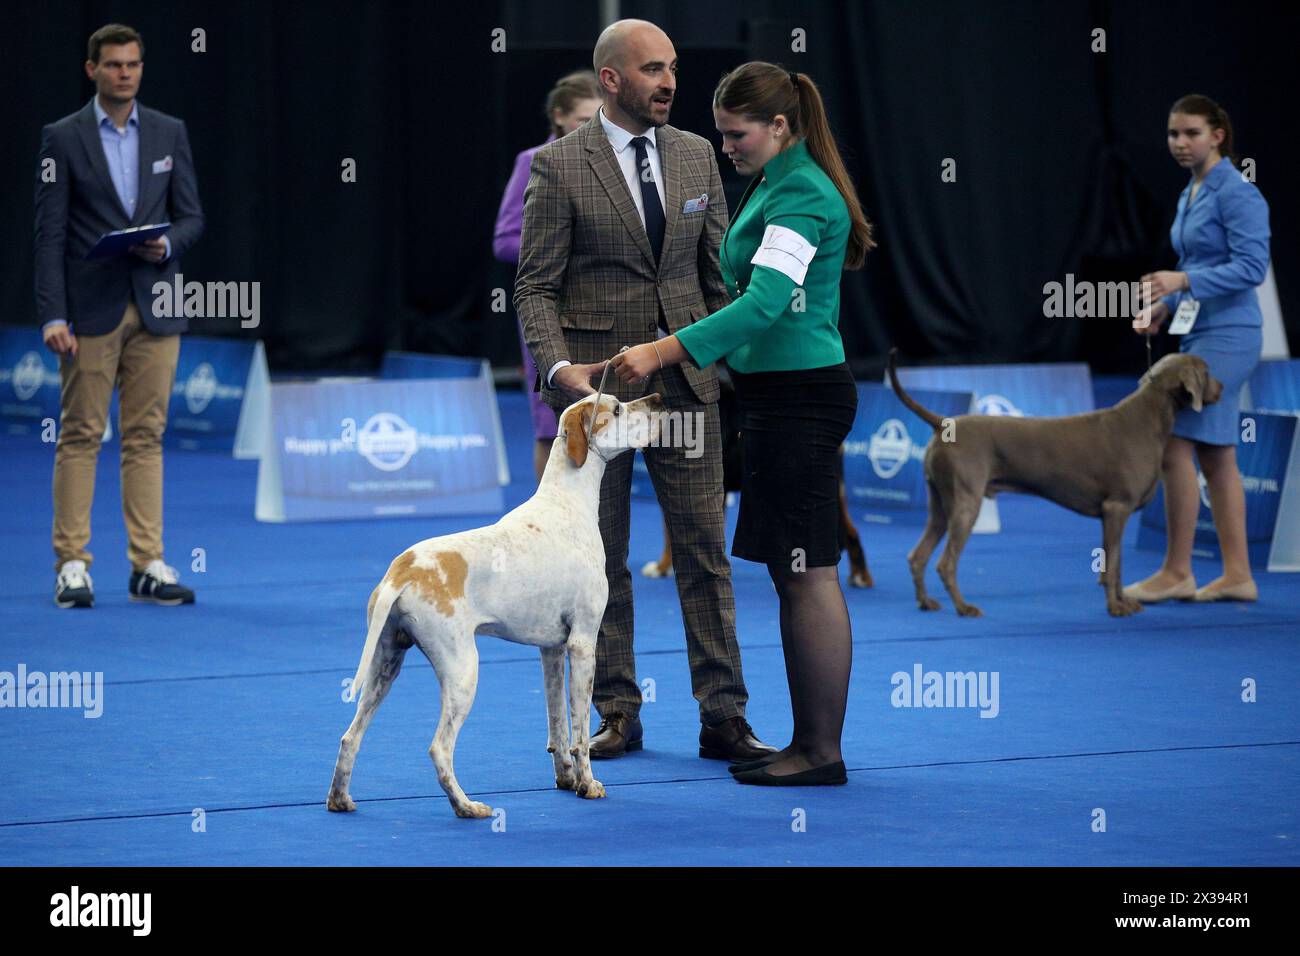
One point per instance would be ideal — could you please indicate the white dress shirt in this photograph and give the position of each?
(621, 141)
(625, 153)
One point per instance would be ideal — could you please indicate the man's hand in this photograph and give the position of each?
(1148, 320)
(574, 381)
(151, 250)
(1163, 283)
(60, 340)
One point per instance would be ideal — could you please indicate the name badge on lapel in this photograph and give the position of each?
(163, 165)
(1184, 317)
(697, 205)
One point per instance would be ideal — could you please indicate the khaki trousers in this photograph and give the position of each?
(143, 367)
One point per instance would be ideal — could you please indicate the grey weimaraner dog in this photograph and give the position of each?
(1104, 464)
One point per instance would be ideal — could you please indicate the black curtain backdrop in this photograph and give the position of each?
(1060, 153)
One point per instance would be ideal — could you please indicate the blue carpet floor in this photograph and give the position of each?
(221, 721)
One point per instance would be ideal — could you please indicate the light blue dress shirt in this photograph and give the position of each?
(122, 153)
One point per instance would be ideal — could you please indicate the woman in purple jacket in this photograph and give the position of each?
(572, 102)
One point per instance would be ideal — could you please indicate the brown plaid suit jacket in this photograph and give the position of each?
(587, 282)
(588, 285)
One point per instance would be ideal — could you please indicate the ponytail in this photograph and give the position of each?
(823, 149)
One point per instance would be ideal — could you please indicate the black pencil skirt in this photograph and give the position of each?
(791, 427)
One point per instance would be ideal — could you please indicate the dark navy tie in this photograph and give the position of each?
(654, 210)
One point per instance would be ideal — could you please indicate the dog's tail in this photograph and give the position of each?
(929, 417)
(388, 596)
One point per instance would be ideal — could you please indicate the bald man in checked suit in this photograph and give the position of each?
(622, 223)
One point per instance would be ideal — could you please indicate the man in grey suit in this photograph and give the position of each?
(112, 165)
(622, 223)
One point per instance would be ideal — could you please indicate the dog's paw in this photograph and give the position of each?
(652, 569)
(473, 810)
(861, 580)
(970, 610)
(593, 790)
(928, 604)
(1124, 607)
(566, 781)
(340, 803)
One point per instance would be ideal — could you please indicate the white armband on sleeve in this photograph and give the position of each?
(785, 251)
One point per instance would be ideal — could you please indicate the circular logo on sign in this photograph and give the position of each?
(889, 449)
(1205, 488)
(386, 441)
(200, 387)
(29, 376)
(997, 405)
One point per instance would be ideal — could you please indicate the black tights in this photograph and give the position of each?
(818, 644)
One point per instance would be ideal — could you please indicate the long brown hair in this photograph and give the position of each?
(1216, 117)
(566, 93)
(759, 91)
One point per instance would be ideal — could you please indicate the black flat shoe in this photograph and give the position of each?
(753, 764)
(831, 774)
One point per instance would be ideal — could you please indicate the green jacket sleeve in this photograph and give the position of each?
(795, 203)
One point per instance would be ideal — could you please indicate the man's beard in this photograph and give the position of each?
(638, 111)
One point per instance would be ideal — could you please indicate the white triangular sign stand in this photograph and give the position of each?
(1284, 555)
(270, 488)
(1275, 343)
(255, 410)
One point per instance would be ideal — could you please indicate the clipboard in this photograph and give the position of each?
(117, 242)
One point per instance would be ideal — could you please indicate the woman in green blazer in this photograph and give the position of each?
(799, 226)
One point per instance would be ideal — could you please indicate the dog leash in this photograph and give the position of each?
(600, 393)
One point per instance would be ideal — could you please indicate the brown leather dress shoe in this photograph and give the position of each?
(618, 734)
(732, 740)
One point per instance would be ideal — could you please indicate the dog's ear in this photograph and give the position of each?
(575, 428)
(1193, 378)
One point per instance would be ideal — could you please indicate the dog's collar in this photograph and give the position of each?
(596, 450)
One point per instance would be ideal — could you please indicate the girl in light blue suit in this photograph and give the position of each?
(1221, 236)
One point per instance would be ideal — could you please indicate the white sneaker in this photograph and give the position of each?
(73, 587)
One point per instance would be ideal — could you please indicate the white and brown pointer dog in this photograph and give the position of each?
(536, 577)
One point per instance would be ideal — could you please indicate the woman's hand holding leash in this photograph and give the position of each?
(638, 363)
(1148, 320)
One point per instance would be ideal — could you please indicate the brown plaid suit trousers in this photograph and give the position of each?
(588, 285)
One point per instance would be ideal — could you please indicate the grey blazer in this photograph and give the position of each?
(587, 282)
(80, 205)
